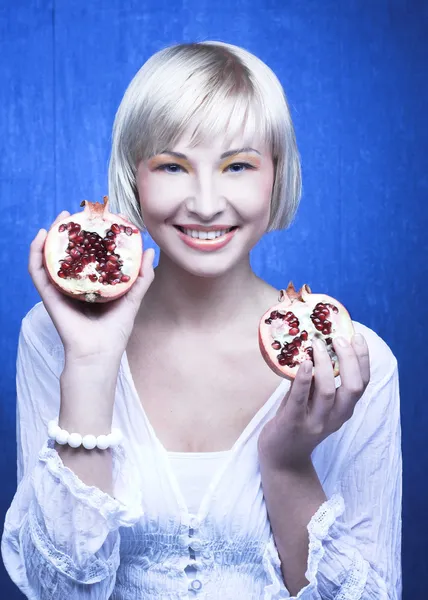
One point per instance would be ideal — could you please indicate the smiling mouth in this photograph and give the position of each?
(205, 235)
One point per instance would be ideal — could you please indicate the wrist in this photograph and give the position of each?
(99, 368)
(87, 396)
(301, 468)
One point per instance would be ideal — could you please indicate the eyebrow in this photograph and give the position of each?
(224, 155)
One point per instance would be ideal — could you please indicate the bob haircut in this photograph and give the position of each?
(217, 89)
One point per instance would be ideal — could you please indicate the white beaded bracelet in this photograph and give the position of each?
(62, 436)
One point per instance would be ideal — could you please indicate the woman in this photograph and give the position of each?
(228, 482)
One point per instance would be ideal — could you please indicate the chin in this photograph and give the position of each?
(204, 266)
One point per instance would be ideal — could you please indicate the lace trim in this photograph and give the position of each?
(353, 586)
(96, 570)
(113, 510)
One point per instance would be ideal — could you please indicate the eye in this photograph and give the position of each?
(241, 164)
(164, 167)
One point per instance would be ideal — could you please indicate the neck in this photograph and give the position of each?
(186, 300)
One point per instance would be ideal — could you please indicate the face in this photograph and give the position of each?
(204, 206)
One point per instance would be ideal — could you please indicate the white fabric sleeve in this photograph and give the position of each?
(355, 536)
(61, 537)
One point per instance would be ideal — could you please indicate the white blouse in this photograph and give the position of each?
(64, 539)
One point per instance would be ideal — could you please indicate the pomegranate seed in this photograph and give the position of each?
(111, 247)
(298, 342)
(74, 253)
(113, 258)
(61, 274)
(70, 226)
(322, 317)
(268, 321)
(282, 360)
(122, 228)
(304, 335)
(65, 265)
(62, 228)
(101, 279)
(115, 228)
(128, 230)
(93, 277)
(276, 345)
(109, 234)
(294, 331)
(125, 278)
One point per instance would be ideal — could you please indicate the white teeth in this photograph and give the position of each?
(204, 235)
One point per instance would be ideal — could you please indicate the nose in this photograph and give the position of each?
(206, 204)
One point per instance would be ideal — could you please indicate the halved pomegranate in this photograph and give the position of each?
(287, 330)
(93, 255)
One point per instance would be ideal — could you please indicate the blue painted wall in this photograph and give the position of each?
(355, 75)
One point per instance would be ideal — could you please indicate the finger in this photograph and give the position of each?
(363, 356)
(144, 280)
(352, 385)
(324, 384)
(296, 401)
(35, 260)
(37, 270)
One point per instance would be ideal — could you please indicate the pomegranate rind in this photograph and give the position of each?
(303, 302)
(95, 217)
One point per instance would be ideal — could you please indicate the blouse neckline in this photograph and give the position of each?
(280, 391)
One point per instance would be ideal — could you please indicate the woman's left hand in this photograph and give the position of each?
(313, 408)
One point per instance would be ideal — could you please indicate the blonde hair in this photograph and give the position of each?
(218, 88)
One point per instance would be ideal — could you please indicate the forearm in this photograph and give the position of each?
(292, 498)
(87, 400)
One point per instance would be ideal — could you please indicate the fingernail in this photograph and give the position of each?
(320, 345)
(358, 339)
(341, 341)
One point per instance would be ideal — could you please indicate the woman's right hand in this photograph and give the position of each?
(90, 333)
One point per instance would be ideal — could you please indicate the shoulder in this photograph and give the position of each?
(38, 331)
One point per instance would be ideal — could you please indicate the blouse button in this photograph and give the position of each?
(196, 585)
(194, 522)
(195, 544)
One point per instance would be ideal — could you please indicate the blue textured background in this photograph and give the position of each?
(355, 76)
